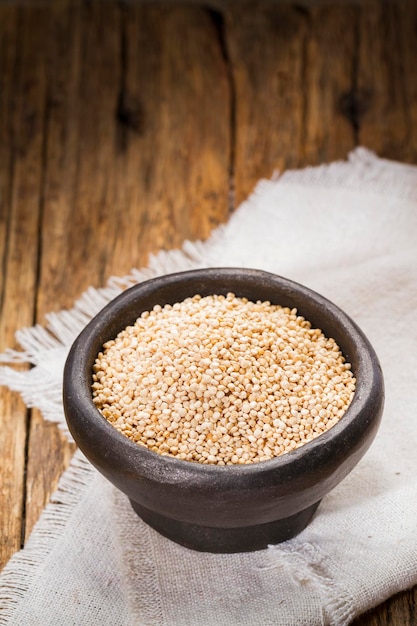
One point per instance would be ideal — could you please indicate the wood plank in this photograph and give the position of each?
(407, 27)
(64, 113)
(400, 610)
(292, 69)
(387, 81)
(136, 160)
(330, 65)
(176, 79)
(21, 139)
(265, 45)
(79, 211)
(151, 150)
(48, 451)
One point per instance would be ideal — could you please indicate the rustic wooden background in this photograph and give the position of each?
(126, 127)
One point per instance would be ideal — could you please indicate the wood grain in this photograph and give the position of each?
(127, 127)
(293, 70)
(265, 45)
(329, 76)
(48, 452)
(21, 123)
(387, 83)
(137, 154)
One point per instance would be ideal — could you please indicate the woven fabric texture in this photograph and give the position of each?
(348, 231)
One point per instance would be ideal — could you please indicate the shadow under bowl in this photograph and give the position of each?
(230, 508)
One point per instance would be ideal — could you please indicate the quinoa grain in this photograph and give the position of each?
(222, 380)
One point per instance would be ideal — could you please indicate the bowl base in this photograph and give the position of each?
(226, 540)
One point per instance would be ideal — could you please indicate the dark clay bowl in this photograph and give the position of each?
(224, 508)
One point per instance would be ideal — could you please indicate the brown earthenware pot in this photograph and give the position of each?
(224, 508)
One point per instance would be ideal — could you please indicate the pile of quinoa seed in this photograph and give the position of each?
(222, 380)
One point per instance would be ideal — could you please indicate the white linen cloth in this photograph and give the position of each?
(347, 230)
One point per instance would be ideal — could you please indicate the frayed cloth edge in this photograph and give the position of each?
(18, 574)
(305, 563)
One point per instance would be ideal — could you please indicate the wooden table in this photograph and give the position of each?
(128, 127)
